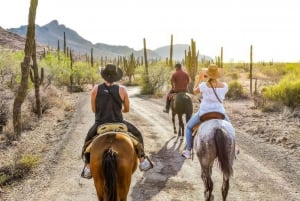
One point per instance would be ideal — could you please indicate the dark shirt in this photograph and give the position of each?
(180, 81)
(108, 109)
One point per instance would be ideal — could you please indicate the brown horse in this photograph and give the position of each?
(181, 104)
(113, 161)
(215, 139)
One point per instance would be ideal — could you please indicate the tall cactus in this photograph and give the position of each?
(191, 62)
(92, 57)
(65, 44)
(145, 58)
(221, 58)
(58, 50)
(25, 65)
(251, 60)
(171, 52)
(37, 81)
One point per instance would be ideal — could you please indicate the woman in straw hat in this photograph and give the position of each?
(108, 101)
(213, 93)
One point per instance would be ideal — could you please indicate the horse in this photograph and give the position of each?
(113, 160)
(181, 104)
(215, 139)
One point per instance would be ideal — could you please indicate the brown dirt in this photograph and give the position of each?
(268, 167)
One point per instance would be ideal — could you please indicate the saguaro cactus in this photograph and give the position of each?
(65, 44)
(251, 60)
(22, 90)
(171, 52)
(191, 62)
(37, 81)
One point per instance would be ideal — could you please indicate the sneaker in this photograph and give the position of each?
(145, 165)
(86, 173)
(166, 111)
(186, 154)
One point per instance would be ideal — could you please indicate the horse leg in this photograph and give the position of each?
(173, 120)
(206, 177)
(181, 126)
(225, 187)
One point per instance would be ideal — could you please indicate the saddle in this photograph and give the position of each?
(206, 117)
(107, 128)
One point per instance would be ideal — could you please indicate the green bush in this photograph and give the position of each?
(235, 91)
(159, 75)
(286, 91)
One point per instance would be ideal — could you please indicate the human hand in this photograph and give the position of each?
(201, 76)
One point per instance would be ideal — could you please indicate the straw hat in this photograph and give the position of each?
(111, 73)
(212, 71)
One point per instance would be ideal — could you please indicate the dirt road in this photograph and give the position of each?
(262, 171)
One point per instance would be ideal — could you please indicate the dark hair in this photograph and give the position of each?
(178, 65)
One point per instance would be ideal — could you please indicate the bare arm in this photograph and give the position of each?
(93, 98)
(196, 89)
(124, 96)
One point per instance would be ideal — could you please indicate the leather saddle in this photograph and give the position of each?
(206, 117)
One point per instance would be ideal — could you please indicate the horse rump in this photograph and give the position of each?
(223, 153)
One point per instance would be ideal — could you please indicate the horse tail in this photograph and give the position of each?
(109, 172)
(188, 107)
(223, 153)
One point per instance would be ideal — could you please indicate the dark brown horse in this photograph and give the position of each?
(113, 161)
(215, 139)
(181, 104)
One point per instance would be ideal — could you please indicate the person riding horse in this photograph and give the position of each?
(179, 81)
(108, 101)
(213, 93)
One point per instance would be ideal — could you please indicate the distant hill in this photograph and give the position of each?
(53, 32)
(13, 41)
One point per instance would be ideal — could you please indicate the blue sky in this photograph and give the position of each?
(272, 27)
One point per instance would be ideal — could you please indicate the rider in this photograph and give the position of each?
(211, 102)
(108, 101)
(179, 81)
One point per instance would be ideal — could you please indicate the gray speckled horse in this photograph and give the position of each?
(215, 139)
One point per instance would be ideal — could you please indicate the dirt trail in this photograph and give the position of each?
(261, 171)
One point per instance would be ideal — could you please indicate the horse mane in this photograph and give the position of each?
(109, 172)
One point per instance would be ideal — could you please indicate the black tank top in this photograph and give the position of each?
(108, 109)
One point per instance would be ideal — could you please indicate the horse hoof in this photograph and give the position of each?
(181, 137)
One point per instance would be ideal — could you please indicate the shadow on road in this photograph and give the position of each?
(168, 163)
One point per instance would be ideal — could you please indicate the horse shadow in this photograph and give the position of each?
(167, 163)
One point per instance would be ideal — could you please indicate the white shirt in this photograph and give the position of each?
(210, 102)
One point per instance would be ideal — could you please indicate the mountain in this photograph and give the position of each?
(53, 32)
(9, 40)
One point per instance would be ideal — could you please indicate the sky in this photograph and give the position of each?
(272, 27)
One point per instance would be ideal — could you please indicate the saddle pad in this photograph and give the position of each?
(120, 127)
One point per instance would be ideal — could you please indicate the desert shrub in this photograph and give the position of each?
(235, 91)
(158, 76)
(286, 91)
(10, 70)
(18, 169)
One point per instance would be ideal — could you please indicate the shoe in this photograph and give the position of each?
(86, 173)
(166, 111)
(145, 165)
(186, 154)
